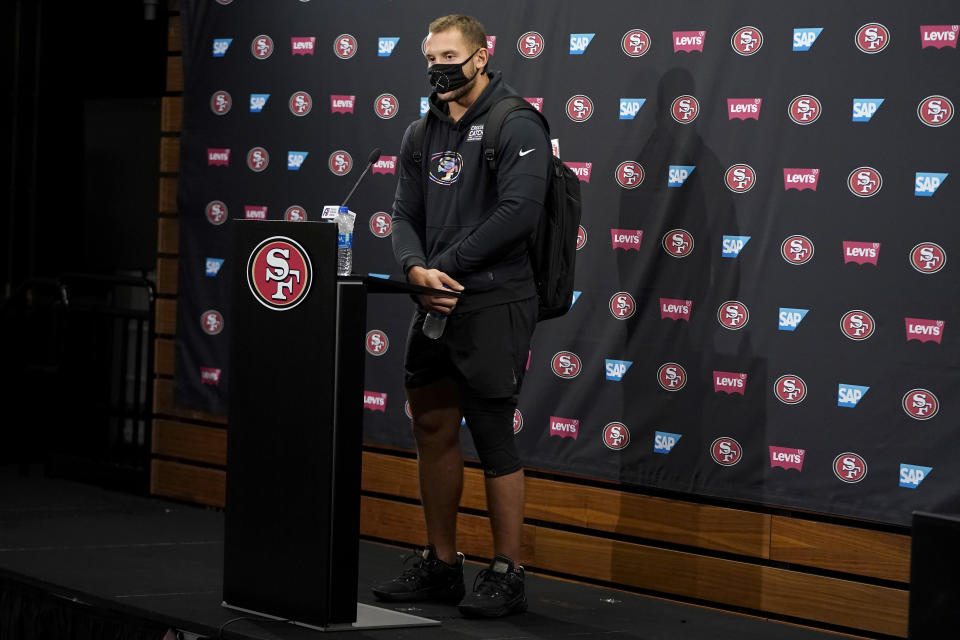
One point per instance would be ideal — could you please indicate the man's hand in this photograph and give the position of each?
(435, 279)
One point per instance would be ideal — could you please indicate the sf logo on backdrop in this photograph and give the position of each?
(279, 273)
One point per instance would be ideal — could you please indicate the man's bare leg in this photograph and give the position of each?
(436, 428)
(505, 500)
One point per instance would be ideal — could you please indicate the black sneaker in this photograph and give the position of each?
(428, 579)
(499, 592)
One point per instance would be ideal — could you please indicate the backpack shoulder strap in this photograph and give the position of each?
(419, 138)
(491, 128)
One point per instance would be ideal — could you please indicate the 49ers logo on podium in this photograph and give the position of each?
(579, 108)
(565, 364)
(804, 109)
(740, 178)
(345, 46)
(746, 40)
(377, 342)
(726, 451)
(872, 37)
(733, 315)
(864, 182)
(678, 243)
(616, 436)
(340, 162)
(300, 103)
(381, 224)
(279, 273)
(630, 174)
(685, 109)
(935, 111)
(928, 257)
(635, 43)
(622, 305)
(790, 389)
(920, 404)
(261, 47)
(220, 102)
(530, 44)
(672, 376)
(295, 213)
(850, 467)
(797, 249)
(857, 324)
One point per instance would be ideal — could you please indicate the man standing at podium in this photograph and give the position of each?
(460, 225)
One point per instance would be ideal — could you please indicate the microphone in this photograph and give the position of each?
(374, 156)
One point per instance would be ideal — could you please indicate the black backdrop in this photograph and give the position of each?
(820, 443)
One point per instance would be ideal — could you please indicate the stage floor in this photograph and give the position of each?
(161, 561)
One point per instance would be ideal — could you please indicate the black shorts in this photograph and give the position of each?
(485, 350)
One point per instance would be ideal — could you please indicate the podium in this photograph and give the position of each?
(291, 539)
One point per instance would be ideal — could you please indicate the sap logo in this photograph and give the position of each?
(424, 105)
(220, 46)
(678, 174)
(213, 266)
(616, 369)
(912, 475)
(848, 395)
(295, 159)
(385, 46)
(733, 245)
(576, 296)
(630, 107)
(926, 184)
(258, 101)
(803, 39)
(663, 442)
(864, 108)
(579, 42)
(790, 319)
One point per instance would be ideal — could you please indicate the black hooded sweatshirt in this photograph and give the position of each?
(454, 214)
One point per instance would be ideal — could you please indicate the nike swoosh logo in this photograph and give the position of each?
(523, 153)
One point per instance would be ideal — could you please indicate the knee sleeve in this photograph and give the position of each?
(490, 421)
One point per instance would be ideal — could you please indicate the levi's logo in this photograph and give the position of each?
(626, 238)
(254, 213)
(675, 309)
(385, 165)
(938, 35)
(582, 169)
(744, 108)
(342, 104)
(564, 427)
(729, 382)
(861, 252)
(924, 330)
(218, 157)
(787, 458)
(210, 375)
(800, 179)
(375, 401)
(688, 41)
(302, 46)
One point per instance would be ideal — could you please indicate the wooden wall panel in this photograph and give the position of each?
(174, 74)
(173, 34)
(189, 483)
(838, 548)
(190, 442)
(171, 114)
(168, 194)
(163, 356)
(168, 236)
(164, 404)
(167, 276)
(169, 155)
(606, 510)
(166, 317)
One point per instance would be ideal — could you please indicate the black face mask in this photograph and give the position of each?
(450, 77)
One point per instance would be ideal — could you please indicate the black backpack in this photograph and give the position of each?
(553, 245)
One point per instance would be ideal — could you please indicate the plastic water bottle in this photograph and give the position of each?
(344, 242)
(434, 324)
